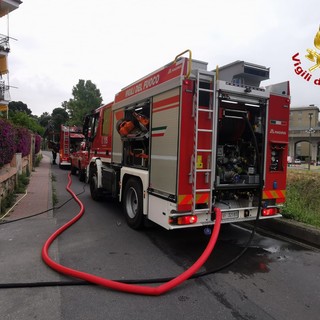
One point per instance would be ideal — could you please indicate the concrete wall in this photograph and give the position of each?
(9, 174)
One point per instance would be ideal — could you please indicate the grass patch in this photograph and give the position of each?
(303, 201)
(38, 160)
(7, 203)
(21, 187)
(23, 181)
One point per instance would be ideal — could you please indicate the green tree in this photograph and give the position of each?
(21, 118)
(86, 97)
(19, 106)
(44, 119)
(59, 116)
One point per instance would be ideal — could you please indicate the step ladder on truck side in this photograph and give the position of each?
(203, 144)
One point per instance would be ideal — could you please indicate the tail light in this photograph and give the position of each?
(266, 212)
(184, 220)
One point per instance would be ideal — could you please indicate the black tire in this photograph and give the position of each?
(82, 175)
(133, 204)
(73, 170)
(96, 193)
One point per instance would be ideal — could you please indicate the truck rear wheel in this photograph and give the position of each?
(73, 170)
(82, 174)
(133, 204)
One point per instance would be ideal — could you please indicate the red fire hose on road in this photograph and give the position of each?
(120, 286)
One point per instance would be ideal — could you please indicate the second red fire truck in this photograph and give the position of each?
(71, 138)
(183, 140)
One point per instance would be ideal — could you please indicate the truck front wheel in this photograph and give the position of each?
(133, 203)
(96, 193)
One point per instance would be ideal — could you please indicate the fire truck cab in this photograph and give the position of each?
(183, 140)
(98, 133)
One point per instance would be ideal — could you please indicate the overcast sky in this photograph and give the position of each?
(114, 43)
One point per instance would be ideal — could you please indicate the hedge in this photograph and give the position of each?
(7, 142)
(23, 141)
(15, 139)
(37, 144)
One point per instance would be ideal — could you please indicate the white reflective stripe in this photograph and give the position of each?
(105, 159)
(158, 157)
(118, 154)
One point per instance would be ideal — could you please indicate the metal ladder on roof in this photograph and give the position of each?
(203, 79)
(66, 139)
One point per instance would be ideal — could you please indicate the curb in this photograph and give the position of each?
(293, 229)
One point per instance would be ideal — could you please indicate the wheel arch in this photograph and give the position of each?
(95, 166)
(142, 177)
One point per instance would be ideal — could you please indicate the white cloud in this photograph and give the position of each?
(113, 43)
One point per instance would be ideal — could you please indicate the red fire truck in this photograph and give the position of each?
(70, 142)
(183, 140)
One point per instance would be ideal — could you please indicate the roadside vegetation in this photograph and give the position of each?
(303, 201)
(10, 199)
(38, 160)
(20, 188)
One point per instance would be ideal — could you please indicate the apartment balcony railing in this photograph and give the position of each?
(4, 44)
(303, 132)
(4, 92)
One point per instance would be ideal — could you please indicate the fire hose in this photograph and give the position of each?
(121, 286)
(131, 285)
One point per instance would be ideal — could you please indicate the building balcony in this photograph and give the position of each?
(7, 6)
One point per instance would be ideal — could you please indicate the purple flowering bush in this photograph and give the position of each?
(23, 141)
(37, 144)
(15, 139)
(7, 142)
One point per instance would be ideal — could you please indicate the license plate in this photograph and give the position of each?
(230, 215)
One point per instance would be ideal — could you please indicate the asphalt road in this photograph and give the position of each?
(274, 279)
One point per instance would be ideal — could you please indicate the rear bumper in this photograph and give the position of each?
(65, 163)
(238, 215)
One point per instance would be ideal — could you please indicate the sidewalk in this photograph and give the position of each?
(293, 229)
(39, 196)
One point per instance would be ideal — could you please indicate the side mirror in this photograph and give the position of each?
(85, 128)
